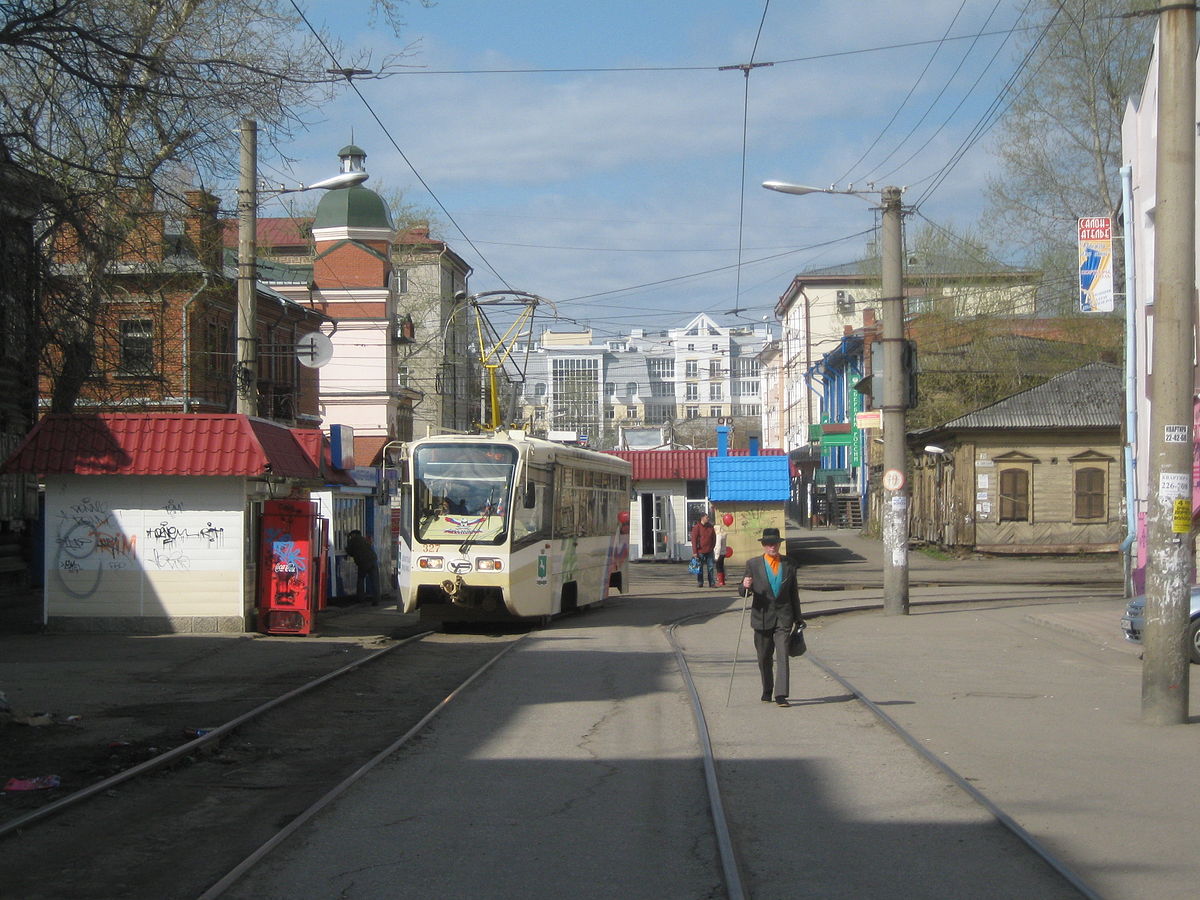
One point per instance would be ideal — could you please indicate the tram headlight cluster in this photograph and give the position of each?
(438, 564)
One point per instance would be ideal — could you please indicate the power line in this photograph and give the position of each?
(916, 83)
(816, 57)
(398, 149)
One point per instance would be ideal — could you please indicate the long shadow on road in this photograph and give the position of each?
(815, 550)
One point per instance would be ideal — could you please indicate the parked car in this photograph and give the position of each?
(1134, 618)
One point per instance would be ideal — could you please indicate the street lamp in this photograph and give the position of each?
(247, 341)
(894, 517)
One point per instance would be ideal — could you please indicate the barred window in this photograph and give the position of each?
(137, 347)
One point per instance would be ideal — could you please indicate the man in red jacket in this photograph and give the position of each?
(704, 541)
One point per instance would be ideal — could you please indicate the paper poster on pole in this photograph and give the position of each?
(1095, 264)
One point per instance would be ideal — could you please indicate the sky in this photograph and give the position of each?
(618, 173)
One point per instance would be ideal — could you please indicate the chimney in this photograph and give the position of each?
(868, 317)
(722, 440)
(203, 230)
(142, 240)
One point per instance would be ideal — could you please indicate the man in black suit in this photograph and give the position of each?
(774, 613)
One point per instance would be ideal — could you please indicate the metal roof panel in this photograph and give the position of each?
(160, 444)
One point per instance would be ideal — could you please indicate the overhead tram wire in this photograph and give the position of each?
(993, 114)
(403, 155)
(745, 70)
(933, 103)
(716, 269)
(709, 68)
(903, 103)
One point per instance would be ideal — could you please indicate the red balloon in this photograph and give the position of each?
(623, 517)
(728, 552)
(727, 519)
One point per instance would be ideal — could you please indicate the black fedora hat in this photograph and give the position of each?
(770, 536)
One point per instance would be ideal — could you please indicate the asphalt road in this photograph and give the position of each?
(573, 770)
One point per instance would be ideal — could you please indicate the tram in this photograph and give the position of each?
(504, 526)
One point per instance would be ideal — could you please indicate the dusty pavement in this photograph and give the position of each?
(110, 698)
(103, 701)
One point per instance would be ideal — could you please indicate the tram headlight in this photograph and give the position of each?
(488, 564)
(432, 563)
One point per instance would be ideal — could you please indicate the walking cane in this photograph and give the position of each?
(737, 646)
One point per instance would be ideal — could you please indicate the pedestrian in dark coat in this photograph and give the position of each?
(704, 541)
(359, 549)
(774, 613)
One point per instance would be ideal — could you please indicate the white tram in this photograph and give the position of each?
(501, 526)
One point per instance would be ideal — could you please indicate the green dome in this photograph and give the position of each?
(352, 207)
(352, 150)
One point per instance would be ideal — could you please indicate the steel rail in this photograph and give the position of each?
(729, 860)
(973, 792)
(235, 874)
(186, 749)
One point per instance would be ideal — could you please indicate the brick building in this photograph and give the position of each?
(166, 335)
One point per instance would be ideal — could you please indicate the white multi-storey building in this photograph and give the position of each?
(677, 379)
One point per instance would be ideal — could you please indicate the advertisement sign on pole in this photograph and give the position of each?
(1095, 264)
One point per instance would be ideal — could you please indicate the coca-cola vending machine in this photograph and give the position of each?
(291, 583)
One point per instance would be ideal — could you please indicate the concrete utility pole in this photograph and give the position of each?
(894, 515)
(246, 373)
(894, 494)
(1170, 547)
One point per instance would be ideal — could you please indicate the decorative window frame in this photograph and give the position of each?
(1091, 460)
(1015, 460)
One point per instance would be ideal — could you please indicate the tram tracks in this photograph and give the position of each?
(732, 864)
(189, 818)
(200, 804)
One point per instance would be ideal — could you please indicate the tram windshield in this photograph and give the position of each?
(462, 492)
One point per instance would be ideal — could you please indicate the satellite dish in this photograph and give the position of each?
(314, 350)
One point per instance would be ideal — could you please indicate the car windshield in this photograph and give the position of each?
(461, 492)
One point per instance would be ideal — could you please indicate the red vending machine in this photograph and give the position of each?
(292, 561)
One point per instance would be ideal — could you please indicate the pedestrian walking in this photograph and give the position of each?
(704, 539)
(774, 614)
(719, 552)
(359, 549)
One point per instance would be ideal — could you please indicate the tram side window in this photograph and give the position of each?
(533, 523)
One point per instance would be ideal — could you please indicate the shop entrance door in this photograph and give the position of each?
(657, 526)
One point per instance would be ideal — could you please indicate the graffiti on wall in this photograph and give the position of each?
(91, 538)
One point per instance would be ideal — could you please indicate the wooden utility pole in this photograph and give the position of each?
(246, 372)
(1170, 546)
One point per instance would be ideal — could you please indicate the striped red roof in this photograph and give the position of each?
(667, 465)
(162, 444)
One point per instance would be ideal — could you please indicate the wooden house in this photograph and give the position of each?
(1036, 472)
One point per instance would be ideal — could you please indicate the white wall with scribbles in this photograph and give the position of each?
(148, 546)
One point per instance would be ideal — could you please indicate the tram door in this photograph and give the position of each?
(657, 526)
